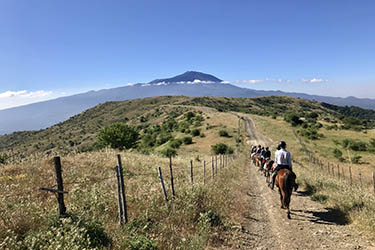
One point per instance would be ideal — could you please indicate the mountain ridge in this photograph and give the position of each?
(47, 113)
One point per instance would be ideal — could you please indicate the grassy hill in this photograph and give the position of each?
(202, 214)
(79, 133)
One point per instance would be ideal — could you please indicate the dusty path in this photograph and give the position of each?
(311, 227)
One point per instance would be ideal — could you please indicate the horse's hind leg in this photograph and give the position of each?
(281, 198)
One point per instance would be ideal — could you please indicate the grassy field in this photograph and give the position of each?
(197, 218)
(356, 203)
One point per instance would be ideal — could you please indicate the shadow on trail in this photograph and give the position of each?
(330, 217)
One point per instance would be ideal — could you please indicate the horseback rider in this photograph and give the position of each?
(259, 150)
(267, 154)
(283, 160)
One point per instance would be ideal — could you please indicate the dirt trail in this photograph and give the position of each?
(312, 226)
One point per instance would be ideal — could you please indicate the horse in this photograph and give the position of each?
(285, 181)
(267, 170)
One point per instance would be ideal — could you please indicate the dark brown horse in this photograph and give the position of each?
(285, 181)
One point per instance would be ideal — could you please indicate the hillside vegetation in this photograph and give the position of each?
(195, 129)
(167, 115)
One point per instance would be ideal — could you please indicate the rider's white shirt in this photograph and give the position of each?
(283, 157)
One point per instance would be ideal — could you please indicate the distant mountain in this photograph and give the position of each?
(188, 76)
(44, 114)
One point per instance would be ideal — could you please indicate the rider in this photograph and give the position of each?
(267, 154)
(259, 150)
(283, 160)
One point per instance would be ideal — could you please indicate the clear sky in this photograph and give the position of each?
(50, 48)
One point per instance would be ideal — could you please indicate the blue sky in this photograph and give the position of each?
(51, 48)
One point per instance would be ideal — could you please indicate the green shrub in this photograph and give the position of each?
(356, 159)
(163, 138)
(168, 151)
(195, 132)
(355, 145)
(210, 219)
(175, 143)
(140, 242)
(65, 233)
(338, 154)
(3, 158)
(223, 133)
(187, 140)
(118, 136)
(293, 119)
(221, 148)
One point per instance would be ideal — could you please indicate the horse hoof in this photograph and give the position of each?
(289, 217)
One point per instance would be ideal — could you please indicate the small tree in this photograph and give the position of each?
(338, 154)
(118, 136)
(195, 132)
(168, 151)
(187, 140)
(221, 148)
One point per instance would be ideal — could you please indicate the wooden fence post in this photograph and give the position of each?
(333, 171)
(204, 172)
(338, 171)
(171, 173)
(350, 173)
(120, 212)
(216, 163)
(220, 161)
(212, 166)
(122, 188)
(60, 186)
(191, 172)
(373, 179)
(328, 169)
(360, 177)
(163, 187)
(343, 172)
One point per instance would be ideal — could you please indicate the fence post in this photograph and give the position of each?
(216, 164)
(328, 169)
(360, 177)
(220, 161)
(338, 171)
(60, 186)
(204, 172)
(120, 212)
(212, 166)
(333, 171)
(373, 179)
(122, 188)
(163, 187)
(350, 173)
(171, 173)
(343, 172)
(191, 171)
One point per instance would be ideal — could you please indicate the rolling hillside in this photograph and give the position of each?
(79, 133)
(44, 114)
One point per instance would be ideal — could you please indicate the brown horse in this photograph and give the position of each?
(285, 181)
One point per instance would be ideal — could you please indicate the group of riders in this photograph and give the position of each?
(261, 156)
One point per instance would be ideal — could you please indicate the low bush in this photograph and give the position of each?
(187, 140)
(221, 148)
(195, 132)
(224, 133)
